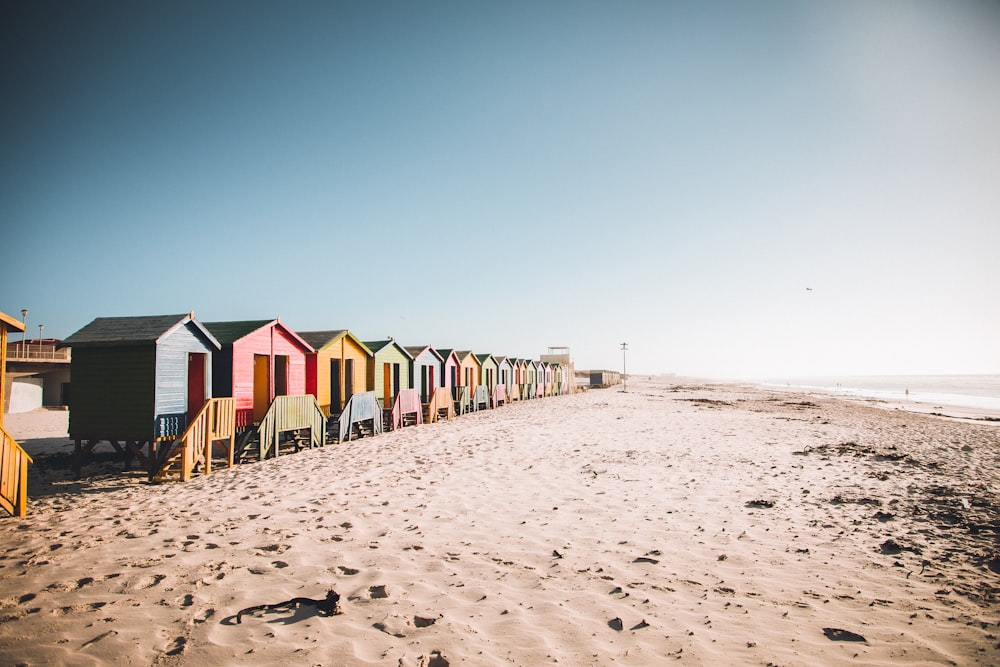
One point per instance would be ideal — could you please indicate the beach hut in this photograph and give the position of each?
(13, 459)
(528, 390)
(547, 375)
(450, 369)
(389, 370)
(337, 369)
(262, 366)
(506, 374)
(138, 381)
(489, 372)
(469, 370)
(425, 370)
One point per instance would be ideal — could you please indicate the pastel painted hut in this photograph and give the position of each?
(425, 370)
(533, 379)
(138, 381)
(489, 372)
(389, 370)
(506, 374)
(450, 369)
(13, 459)
(518, 373)
(469, 370)
(337, 369)
(547, 376)
(557, 379)
(260, 359)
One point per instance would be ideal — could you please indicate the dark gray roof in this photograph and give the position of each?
(112, 330)
(229, 332)
(320, 338)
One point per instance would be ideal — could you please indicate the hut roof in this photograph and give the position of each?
(138, 330)
(11, 322)
(483, 357)
(320, 339)
(416, 350)
(376, 345)
(230, 332)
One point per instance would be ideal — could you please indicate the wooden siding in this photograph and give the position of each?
(318, 372)
(113, 393)
(425, 362)
(390, 354)
(489, 363)
(170, 404)
(468, 375)
(238, 359)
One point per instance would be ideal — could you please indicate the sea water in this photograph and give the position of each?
(981, 392)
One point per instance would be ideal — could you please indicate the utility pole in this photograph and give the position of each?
(624, 347)
(24, 328)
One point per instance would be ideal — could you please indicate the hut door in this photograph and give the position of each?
(454, 377)
(348, 379)
(423, 383)
(196, 384)
(395, 381)
(430, 382)
(281, 375)
(386, 385)
(261, 386)
(335, 386)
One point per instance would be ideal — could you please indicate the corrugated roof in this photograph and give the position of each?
(138, 329)
(229, 332)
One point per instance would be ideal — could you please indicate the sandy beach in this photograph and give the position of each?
(678, 522)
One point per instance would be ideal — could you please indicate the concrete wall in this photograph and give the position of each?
(25, 394)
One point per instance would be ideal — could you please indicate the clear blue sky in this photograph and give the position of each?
(505, 176)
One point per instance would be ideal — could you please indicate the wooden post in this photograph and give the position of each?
(3, 370)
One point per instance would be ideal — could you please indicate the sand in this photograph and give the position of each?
(697, 524)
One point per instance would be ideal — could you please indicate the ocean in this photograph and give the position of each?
(981, 392)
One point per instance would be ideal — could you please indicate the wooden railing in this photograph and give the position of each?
(215, 421)
(13, 475)
(288, 413)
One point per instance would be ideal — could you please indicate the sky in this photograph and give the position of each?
(734, 189)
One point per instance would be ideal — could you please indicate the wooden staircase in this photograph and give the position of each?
(215, 424)
(292, 423)
(13, 475)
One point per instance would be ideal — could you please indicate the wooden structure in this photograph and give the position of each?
(489, 371)
(425, 370)
(481, 399)
(441, 405)
(450, 370)
(214, 426)
(469, 370)
(290, 414)
(13, 459)
(407, 409)
(463, 400)
(337, 369)
(506, 376)
(389, 370)
(362, 416)
(604, 378)
(499, 395)
(259, 360)
(138, 381)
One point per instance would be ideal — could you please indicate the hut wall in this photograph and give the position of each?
(261, 342)
(113, 393)
(425, 365)
(389, 354)
(171, 393)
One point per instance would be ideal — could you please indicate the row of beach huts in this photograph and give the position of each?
(182, 395)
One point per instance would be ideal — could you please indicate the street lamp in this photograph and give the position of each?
(40, 327)
(624, 347)
(24, 328)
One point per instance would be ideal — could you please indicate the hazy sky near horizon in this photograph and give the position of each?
(506, 176)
